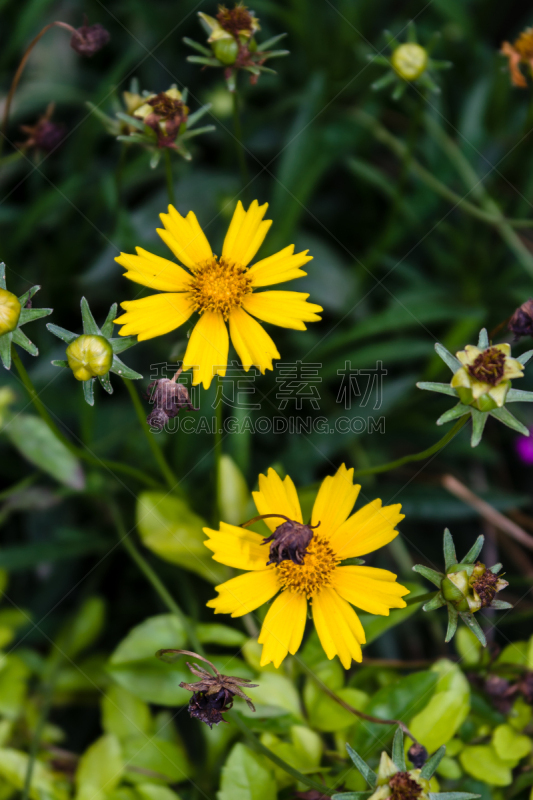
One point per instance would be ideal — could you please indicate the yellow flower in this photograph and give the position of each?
(485, 377)
(220, 289)
(314, 573)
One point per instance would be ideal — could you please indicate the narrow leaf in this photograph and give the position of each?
(505, 416)
(209, 62)
(433, 386)
(107, 327)
(519, 396)
(474, 626)
(429, 574)
(483, 341)
(5, 349)
(500, 605)
(384, 81)
(193, 118)
(524, 358)
(451, 361)
(351, 796)
(450, 557)
(119, 368)
(452, 796)
(270, 42)
(452, 623)
(474, 551)
(106, 383)
(60, 363)
(62, 333)
(2, 275)
(496, 568)
(398, 755)
(89, 324)
(368, 774)
(129, 120)
(479, 420)
(454, 413)
(23, 299)
(88, 391)
(22, 340)
(197, 46)
(437, 602)
(122, 343)
(29, 314)
(430, 767)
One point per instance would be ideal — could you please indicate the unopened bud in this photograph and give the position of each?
(89, 356)
(89, 39)
(226, 50)
(9, 311)
(409, 61)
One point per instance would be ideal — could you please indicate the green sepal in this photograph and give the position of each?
(430, 767)
(106, 383)
(479, 420)
(450, 556)
(429, 574)
(208, 62)
(398, 755)
(524, 358)
(122, 343)
(129, 120)
(22, 340)
(23, 299)
(483, 341)
(474, 551)
(60, 363)
(352, 795)
(433, 386)
(452, 623)
(30, 314)
(384, 81)
(436, 602)
(475, 627)
(62, 333)
(391, 40)
(451, 361)
(107, 327)
(398, 91)
(496, 568)
(369, 775)
(197, 132)
(500, 605)
(198, 114)
(269, 42)
(452, 796)
(88, 391)
(519, 396)
(2, 275)
(89, 323)
(5, 348)
(353, 562)
(196, 46)
(508, 419)
(460, 410)
(119, 368)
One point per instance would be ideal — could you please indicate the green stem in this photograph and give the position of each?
(37, 735)
(170, 180)
(217, 449)
(416, 456)
(279, 762)
(157, 453)
(241, 156)
(113, 466)
(156, 581)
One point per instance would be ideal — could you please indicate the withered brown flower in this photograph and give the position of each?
(212, 694)
(89, 39)
(289, 542)
(45, 135)
(521, 323)
(417, 755)
(168, 398)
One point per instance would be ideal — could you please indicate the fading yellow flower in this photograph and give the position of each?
(314, 572)
(220, 289)
(485, 377)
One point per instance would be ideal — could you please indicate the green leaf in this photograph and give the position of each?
(155, 755)
(479, 420)
(447, 709)
(325, 714)
(84, 628)
(442, 388)
(107, 327)
(246, 776)
(233, 494)
(451, 361)
(20, 338)
(428, 573)
(133, 664)
(89, 325)
(5, 349)
(437, 602)
(269, 42)
(452, 796)
(351, 796)
(524, 358)
(510, 745)
(119, 368)
(508, 419)
(123, 343)
(14, 676)
(452, 623)
(483, 763)
(398, 755)
(154, 791)
(483, 341)
(62, 333)
(169, 528)
(454, 413)
(475, 627)
(196, 46)
(430, 767)
(60, 362)
(222, 635)
(368, 774)
(99, 769)
(88, 391)
(474, 551)
(450, 556)
(31, 314)
(44, 786)
(124, 715)
(35, 441)
(519, 396)
(275, 694)
(105, 383)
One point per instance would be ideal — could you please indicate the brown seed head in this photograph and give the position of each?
(489, 366)
(404, 787)
(521, 323)
(89, 39)
(486, 585)
(235, 20)
(289, 542)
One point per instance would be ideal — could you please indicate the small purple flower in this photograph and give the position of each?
(524, 448)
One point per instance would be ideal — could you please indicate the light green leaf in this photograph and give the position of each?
(154, 791)
(62, 333)
(448, 708)
(519, 396)
(483, 763)
(430, 767)
(368, 774)
(245, 776)
(99, 769)
(454, 413)
(14, 675)
(479, 420)
(35, 441)
(89, 323)
(20, 338)
(13, 768)
(398, 755)
(508, 419)
(428, 573)
(233, 494)
(442, 388)
(483, 341)
(170, 529)
(83, 629)
(222, 635)
(451, 361)
(88, 391)
(325, 714)
(123, 714)
(510, 745)
(450, 556)
(275, 694)
(153, 755)
(474, 551)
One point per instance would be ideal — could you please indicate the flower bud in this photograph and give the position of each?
(226, 50)
(10, 309)
(89, 356)
(409, 61)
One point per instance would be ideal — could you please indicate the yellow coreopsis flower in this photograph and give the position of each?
(221, 289)
(304, 565)
(485, 377)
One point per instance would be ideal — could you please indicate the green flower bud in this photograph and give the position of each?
(10, 309)
(453, 594)
(409, 61)
(89, 356)
(226, 50)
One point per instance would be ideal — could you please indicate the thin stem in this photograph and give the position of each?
(157, 453)
(241, 156)
(170, 180)
(416, 456)
(279, 762)
(20, 70)
(113, 466)
(155, 580)
(217, 448)
(39, 728)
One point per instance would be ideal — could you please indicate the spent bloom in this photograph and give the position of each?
(14, 313)
(521, 322)
(311, 572)
(89, 39)
(221, 289)
(520, 52)
(45, 135)
(482, 383)
(93, 354)
(464, 587)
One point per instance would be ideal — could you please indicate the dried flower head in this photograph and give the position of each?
(464, 587)
(165, 113)
(89, 39)
(520, 52)
(168, 398)
(521, 323)
(45, 135)
(417, 755)
(238, 21)
(212, 694)
(289, 541)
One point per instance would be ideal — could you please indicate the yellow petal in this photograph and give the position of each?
(279, 268)
(499, 393)
(365, 588)
(246, 233)
(513, 369)
(252, 343)
(184, 236)
(154, 315)
(245, 593)
(461, 378)
(334, 502)
(277, 497)
(468, 355)
(207, 351)
(286, 309)
(338, 627)
(283, 628)
(505, 348)
(155, 272)
(237, 547)
(371, 527)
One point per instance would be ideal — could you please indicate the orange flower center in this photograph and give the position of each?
(488, 367)
(316, 571)
(219, 285)
(524, 44)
